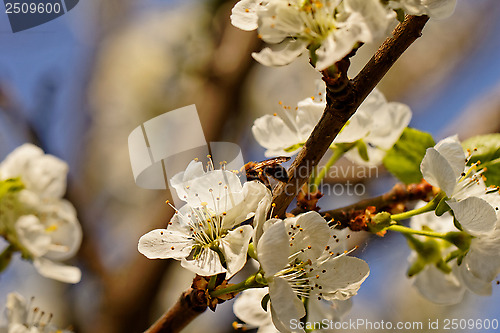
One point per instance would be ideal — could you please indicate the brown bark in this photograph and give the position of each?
(342, 102)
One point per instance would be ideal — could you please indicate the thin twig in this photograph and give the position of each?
(342, 102)
(399, 194)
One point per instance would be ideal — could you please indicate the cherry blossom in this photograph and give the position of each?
(205, 234)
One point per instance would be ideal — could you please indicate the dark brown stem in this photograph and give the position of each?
(399, 194)
(342, 102)
(191, 303)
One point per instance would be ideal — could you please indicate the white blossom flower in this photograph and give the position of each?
(41, 173)
(475, 273)
(22, 319)
(41, 222)
(438, 9)
(298, 258)
(444, 166)
(328, 28)
(377, 123)
(248, 308)
(208, 226)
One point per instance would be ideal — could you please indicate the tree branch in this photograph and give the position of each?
(343, 98)
(191, 303)
(399, 194)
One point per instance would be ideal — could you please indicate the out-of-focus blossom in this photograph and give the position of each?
(376, 125)
(438, 9)
(22, 319)
(37, 221)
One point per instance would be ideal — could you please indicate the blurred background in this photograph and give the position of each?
(78, 85)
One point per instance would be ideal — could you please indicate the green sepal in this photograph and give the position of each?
(265, 301)
(416, 267)
(442, 207)
(400, 14)
(443, 267)
(461, 258)
(10, 185)
(457, 224)
(362, 150)
(460, 239)
(294, 147)
(6, 257)
(251, 251)
(379, 222)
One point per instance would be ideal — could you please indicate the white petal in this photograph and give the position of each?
(273, 133)
(244, 15)
(440, 9)
(253, 192)
(41, 173)
(311, 234)
(338, 44)
(57, 271)
(282, 54)
(307, 118)
(375, 156)
(439, 287)
(221, 184)
(163, 244)
(441, 224)
(260, 218)
(483, 260)
(357, 127)
(341, 277)
(63, 228)
(32, 235)
(438, 172)
(234, 246)
(272, 249)
(477, 286)
(372, 17)
(390, 121)
(284, 302)
(207, 264)
(318, 310)
(474, 214)
(194, 170)
(16, 308)
(247, 307)
(451, 149)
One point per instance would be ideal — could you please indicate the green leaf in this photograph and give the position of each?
(404, 158)
(486, 148)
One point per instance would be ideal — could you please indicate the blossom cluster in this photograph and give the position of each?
(34, 217)
(372, 130)
(473, 210)
(327, 29)
(301, 256)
